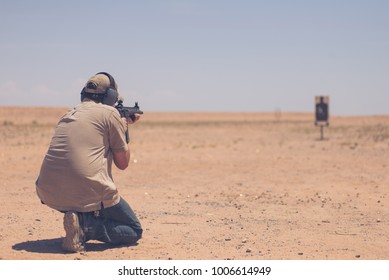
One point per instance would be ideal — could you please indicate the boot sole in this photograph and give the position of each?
(72, 241)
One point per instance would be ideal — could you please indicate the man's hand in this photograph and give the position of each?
(137, 117)
(130, 121)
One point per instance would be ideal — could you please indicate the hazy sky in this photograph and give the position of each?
(197, 55)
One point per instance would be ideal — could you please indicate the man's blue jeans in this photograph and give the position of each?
(116, 225)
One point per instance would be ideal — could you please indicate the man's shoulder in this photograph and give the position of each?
(109, 110)
(102, 108)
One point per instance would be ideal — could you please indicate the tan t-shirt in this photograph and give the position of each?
(76, 171)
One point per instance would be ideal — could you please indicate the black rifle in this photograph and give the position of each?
(128, 113)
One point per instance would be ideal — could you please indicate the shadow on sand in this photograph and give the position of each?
(54, 246)
(49, 246)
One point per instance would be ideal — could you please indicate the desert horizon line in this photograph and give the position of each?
(276, 111)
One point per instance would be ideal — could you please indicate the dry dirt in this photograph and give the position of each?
(217, 186)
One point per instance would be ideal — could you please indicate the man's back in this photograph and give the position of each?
(79, 159)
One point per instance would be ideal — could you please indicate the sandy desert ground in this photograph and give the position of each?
(217, 186)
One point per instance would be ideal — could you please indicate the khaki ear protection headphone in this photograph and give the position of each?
(109, 97)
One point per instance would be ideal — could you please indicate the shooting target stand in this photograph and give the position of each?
(322, 113)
